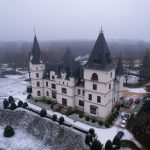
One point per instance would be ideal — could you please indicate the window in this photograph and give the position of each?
(94, 77)
(38, 83)
(53, 77)
(79, 91)
(93, 109)
(111, 74)
(90, 96)
(47, 93)
(38, 93)
(98, 99)
(64, 90)
(81, 103)
(109, 86)
(83, 92)
(54, 95)
(64, 101)
(46, 84)
(94, 87)
(53, 86)
(37, 75)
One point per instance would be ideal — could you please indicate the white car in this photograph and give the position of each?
(123, 123)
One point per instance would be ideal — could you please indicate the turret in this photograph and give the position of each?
(120, 76)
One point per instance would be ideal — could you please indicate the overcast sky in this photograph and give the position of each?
(74, 19)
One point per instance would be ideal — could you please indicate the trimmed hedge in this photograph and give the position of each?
(29, 96)
(25, 105)
(80, 115)
(11, 99)
(80, 129)
(13, 106)
(100, 123)
(91, 131)
(54, 117)
(61, 120)
(87, 118)
(43, 112)
(107, 125)
(5, 103)
(20, 103)
(93, 120)
(9, 131)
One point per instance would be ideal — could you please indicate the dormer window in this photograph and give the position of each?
(94, 77)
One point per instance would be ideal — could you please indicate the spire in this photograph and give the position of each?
(100, 57)
(69, 64)
(119, 69)
(36, 52)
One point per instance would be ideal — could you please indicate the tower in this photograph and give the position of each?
(120, 77)
(36, 69)
(99, 74)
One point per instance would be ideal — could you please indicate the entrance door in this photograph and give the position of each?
(64, 101)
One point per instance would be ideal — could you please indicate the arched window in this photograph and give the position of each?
(94, 77)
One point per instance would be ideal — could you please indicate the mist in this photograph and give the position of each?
(74, 19)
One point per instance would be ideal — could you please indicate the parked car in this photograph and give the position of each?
(119, 135)
(123, 123)
(141, 98)
(129, 103)
(137, 101)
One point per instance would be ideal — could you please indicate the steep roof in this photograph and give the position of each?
(100, 57)
(36, 52)
(69, 65)
(119, 69)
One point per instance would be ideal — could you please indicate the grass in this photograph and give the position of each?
(133, 85)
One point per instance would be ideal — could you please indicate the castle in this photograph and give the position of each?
(94, 88)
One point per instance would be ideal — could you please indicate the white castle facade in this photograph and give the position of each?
(94, 88)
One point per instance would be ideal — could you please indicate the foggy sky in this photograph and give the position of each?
(74, 19)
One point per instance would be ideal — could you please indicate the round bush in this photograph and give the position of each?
(20, 103)
(96, 145)
(108, 145)
(87, 118)
(91, 131)
(25, 105)
(43, 112)
(49, 102)
(11, 99)
(54, 117)
(61, 120)
(29, 96)
(100, 123)
(93, 120)
(13, 106)
(107, 125)
(80, 115)
(88, 139)
(5, 103)
(9, 131)
(29, 89)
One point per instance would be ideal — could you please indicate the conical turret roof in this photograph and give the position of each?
(36, 52)
(100, 57)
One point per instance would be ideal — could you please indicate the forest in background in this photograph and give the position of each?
(18, 52)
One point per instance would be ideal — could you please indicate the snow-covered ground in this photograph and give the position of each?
(137, 90)
(16, 86)
(21, 141)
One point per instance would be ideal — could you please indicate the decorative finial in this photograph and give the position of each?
(34, 31)
(101, 29)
